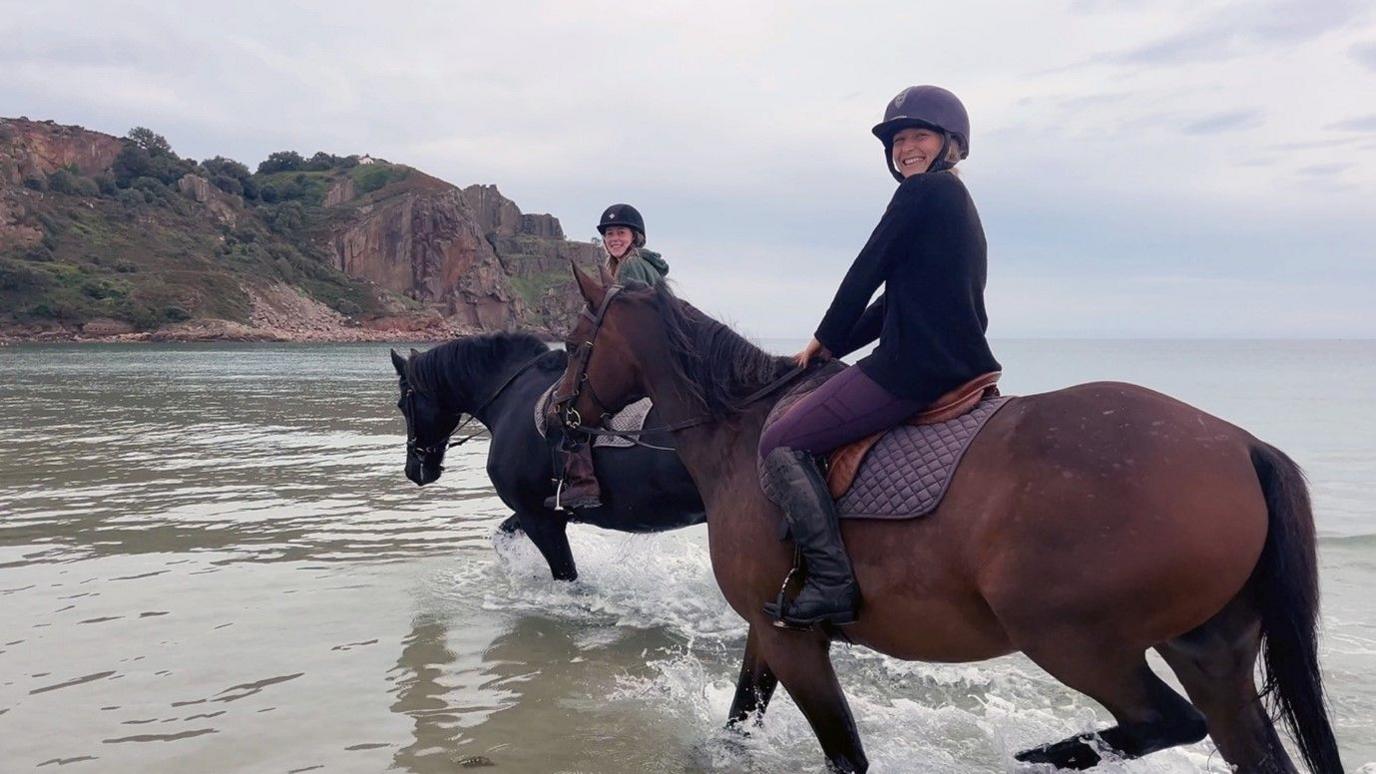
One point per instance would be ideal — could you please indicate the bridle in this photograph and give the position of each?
(579, 358)
(578, 363)
(422, 453)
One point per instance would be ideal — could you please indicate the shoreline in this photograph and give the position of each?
(223, 331)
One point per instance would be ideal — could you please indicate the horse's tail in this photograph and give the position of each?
(1288, 588)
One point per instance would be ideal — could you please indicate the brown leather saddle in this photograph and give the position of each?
(844, 463)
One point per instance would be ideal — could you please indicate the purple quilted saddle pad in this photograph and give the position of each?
(907, 472)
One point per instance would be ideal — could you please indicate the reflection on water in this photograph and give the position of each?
(210, 560)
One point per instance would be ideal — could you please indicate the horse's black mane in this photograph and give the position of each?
(718, 365)
(442, 369)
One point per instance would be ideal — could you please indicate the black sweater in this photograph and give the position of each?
(929, 253)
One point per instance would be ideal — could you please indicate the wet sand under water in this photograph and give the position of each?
(210, 561)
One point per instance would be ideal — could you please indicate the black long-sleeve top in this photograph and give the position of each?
(928, 252)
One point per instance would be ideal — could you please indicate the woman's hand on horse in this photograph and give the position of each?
(813, 349)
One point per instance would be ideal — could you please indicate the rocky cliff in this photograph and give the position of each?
(470, 253)
(101, 236)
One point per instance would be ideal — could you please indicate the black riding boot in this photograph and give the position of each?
(580, 489)
(829, 594)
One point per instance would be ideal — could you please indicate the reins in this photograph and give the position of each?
(573, 421)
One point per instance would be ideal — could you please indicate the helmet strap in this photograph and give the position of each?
(942, 163)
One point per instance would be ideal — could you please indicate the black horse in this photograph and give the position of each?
(496, 378)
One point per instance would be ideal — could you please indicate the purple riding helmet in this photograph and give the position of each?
(930, 107)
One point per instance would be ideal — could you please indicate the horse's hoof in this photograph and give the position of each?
(1073, 753)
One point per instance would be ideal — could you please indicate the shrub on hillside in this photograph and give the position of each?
(17, 276)
(130, 198)
(281, 161)
(228, 184)
(148, 154)
(377, 176)
(228, 175)
(63, 181)
(132, 162)
(287, 217)
(322, 162)
(154, 190)
(150, 141)
(39, 253)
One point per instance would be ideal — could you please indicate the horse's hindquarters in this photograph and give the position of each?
(1109, 505)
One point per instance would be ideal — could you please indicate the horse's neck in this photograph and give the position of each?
(516, 400)
(709, 450)
(479, 387)
(714, 452)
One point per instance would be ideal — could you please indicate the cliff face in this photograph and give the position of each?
(396, 249)
(465, 252)
(32, 150)
(39, 148)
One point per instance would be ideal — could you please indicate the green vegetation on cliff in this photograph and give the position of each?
(175, 263)
(110, 235)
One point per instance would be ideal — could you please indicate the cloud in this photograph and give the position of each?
(1225, 122)
(746, 144)
(1365, 123)
(1236, 29)
(1365, 54)
(1324, 143)
(1326, 170)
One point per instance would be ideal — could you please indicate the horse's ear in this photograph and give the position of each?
(592, 292)
(399, 363)
(414, 352)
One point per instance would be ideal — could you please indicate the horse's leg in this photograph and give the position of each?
(802, 662)
(754, 687)
(546, 529)
(1215, 664)
(1150, 715)
(511, 526)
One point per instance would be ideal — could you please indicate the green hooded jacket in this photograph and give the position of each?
(641, 265)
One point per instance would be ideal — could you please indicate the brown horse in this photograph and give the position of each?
(1083, 527)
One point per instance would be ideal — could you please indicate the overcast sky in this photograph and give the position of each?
(1142, 168)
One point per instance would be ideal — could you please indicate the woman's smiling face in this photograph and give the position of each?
(617, 240)
(915, 149)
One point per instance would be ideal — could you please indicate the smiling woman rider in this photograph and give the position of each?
(623, 236)
(928, 252)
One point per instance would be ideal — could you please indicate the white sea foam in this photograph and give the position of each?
(912, 716)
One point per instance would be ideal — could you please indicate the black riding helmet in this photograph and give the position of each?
(930, 107)
(622, 215)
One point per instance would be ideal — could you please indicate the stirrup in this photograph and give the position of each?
(780, 603)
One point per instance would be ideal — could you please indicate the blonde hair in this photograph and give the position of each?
(953, 151)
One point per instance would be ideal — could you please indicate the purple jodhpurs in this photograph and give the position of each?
(848, 407)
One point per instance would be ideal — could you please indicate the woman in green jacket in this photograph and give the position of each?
(623, 236)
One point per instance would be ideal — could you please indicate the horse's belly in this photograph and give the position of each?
(930, 631)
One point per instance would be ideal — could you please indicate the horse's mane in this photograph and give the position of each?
(717, 365)
(443, 368)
